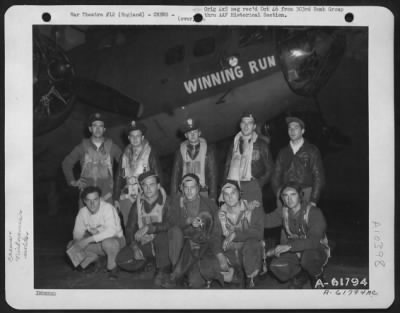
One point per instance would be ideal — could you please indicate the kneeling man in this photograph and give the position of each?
(146, 231)
(189, 237)
(237, 238)
(98, 230)
(303, 250)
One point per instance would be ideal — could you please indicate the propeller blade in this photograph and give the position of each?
(106, 98)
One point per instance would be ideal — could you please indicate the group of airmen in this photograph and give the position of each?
(195, 235)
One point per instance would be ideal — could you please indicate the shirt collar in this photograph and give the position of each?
(94, 146)
(296, 146)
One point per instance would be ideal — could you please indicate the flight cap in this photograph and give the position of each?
(291, 119)
(248, 116)
(190, 177)
(144, 175)
(96, 117)
(189, 125)
(137, 126)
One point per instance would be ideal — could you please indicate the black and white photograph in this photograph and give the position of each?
(222, 157)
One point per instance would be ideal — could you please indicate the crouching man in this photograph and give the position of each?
(146, 231)
(303, 250)
(98, 231)
(192, 219)
(237, 239)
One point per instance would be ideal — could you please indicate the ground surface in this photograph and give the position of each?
(54, 271)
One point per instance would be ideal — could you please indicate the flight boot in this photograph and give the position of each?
(160, 277)
(113, 274)
(298, 281)
(169, 282)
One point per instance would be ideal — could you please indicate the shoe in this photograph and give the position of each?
(113, 273)
(298, 281)
(148, 266)
(238, 277)
(169, 282)
(250, 283)
(79, 269)
(100, 265)
(160, 278)
(87, 270)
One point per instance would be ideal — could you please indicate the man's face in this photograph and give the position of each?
(136, 138)
(231, 196)
(150, 187)
(97, 129)
(290, 197)
(190, 190)
(92, 202)
(247, 126)
(295, 131)
(193, 136)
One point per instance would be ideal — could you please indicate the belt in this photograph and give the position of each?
(247, 181)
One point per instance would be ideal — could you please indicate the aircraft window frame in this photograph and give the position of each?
(174, 55)
(200, 43)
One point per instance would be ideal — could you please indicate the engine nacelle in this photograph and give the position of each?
(309, 57)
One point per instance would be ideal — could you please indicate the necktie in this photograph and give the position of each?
(241, 145)
(192, 151)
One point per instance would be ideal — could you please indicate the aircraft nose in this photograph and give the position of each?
(309, 57)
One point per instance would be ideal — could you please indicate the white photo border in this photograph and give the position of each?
(20, 292)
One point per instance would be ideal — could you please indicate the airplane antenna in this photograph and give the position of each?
(222, 98)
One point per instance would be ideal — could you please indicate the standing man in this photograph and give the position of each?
(96, 155)
(146, 232)
(138, 157)
(196, 157)
(249, 161)
(192, 217)
(299, 162)
(303, 250)
(237, 239)
(98, 231)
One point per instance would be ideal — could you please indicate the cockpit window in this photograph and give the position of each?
(204, 47)
(174, 55)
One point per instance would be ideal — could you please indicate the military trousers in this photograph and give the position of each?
(157, 249)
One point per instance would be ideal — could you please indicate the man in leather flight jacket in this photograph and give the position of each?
(249, 161)
(299, 162)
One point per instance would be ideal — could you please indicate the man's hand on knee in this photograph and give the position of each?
(83, 243)
(141, 232)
